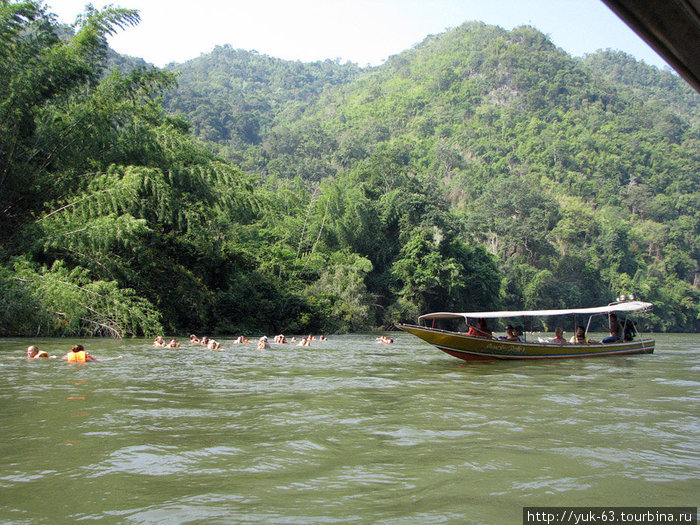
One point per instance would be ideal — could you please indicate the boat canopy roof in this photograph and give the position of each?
(629, 306)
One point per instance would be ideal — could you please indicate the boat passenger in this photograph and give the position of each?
(78, 354)
(480, 330)
(518, 334)
(509, 334)
(579, 336)
(615, 329)
(559, 339)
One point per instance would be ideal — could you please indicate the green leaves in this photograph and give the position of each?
(483, 168)
(69, 302)
(444, 274)
(39, 69)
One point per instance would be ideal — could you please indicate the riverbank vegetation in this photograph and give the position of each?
(481, 169)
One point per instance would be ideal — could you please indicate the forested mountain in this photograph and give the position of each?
(233, 97)
(481, 169)
(645, 82)
(581, 175)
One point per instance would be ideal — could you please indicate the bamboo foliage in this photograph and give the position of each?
(368, 195)
(72, 303)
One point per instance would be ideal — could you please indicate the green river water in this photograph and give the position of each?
(346, 431)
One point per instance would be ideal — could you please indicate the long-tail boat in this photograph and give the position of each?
(432, 329)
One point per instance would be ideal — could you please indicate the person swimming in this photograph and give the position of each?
(33, 352)
(77, 354)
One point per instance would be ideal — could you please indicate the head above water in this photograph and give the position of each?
(32, 350)
(77, 348)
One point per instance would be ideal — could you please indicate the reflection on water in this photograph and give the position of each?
(344, 431)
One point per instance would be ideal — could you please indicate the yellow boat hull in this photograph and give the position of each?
(478, 348)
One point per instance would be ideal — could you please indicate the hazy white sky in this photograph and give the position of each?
(360, 31)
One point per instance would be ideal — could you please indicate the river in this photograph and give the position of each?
(346, 431)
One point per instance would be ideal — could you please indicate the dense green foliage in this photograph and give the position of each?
(580, 175)
(482, 168)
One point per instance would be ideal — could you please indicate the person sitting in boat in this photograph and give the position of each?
(480, 330)
(579, 336)
(559, 337)
(509, 334)
(518, 334)
(615, 329)
(77, 354)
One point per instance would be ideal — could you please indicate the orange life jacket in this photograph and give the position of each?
(76, 357)
(477, 332)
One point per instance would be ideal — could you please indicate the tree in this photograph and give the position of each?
(437, 274)
(37, 67)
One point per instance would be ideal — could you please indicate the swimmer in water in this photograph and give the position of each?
(33, 352)
(78, 354)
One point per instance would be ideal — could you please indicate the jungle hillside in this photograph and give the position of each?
(239, 193)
